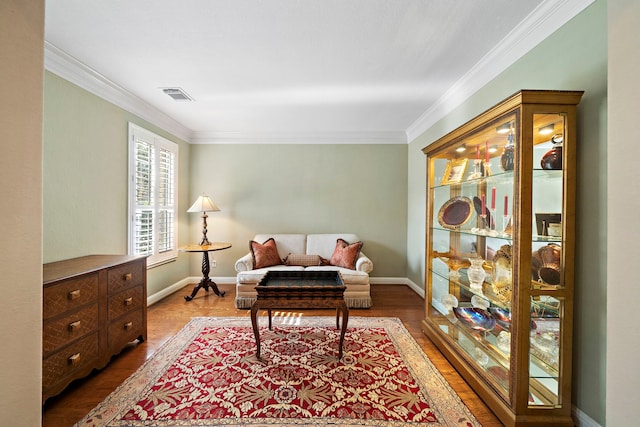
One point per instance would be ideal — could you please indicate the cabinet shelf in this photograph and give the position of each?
(487, 341)
(474, 231)
(498, 235)
(462, 284)
(496, 178)
(503, 177)
(509, 208)
(481, 349)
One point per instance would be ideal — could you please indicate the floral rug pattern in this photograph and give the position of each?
(208, 375)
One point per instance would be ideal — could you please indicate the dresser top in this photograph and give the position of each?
(55, 271)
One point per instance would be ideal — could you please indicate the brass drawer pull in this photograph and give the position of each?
(74, 325)
(74, 294)
(128, 301)
(74, 359)
(127, 277)
(128, 325)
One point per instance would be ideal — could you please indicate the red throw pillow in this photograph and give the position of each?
(265, 254)
(345, 254)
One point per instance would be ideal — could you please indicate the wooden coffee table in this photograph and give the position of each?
(300, 289)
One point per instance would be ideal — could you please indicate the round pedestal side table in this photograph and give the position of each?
(206, 281)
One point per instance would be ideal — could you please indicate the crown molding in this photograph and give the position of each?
(548, 17)
(64, 65)
(541, 23)
(386, 137)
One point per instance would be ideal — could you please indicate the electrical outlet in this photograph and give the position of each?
(213, 263)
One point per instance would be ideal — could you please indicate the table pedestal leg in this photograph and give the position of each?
(206, 282)
(345, 320)
(256, 331)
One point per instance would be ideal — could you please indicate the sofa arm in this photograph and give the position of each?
(363, 263)
(245, 263)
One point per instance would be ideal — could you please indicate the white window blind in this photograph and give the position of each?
(153, 164)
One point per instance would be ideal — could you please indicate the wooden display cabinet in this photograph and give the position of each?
(501, 203)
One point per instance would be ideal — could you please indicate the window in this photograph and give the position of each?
(153, 187)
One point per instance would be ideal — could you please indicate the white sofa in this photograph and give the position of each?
(357, 294)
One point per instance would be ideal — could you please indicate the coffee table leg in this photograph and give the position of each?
(256, 331)
(345, 320)
(269, 312)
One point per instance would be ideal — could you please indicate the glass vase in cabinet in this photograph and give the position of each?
(499, 254)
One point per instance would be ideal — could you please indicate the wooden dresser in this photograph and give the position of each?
(92, 307)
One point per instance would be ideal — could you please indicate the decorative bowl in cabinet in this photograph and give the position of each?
(455, 212)
(502, 316)
(552, 159)
(545, 264)
(475, 318)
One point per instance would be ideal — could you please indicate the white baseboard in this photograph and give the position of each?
(581, 419)
(417, 289)
(219, 280)
(152, 299)
(397, 281)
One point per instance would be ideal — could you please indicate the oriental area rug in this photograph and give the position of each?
(208, 375)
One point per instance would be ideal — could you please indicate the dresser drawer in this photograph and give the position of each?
(128, 300)
(124, 330)
(60, 331)
(78, 356)
(69, 294)
(125, 276)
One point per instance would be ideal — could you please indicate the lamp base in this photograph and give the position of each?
(204, 241)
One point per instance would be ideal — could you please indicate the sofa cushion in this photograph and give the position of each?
(303, 260)
(253, 277)
(345, 254)
(287, 243)
(349, 277)
(264, 254)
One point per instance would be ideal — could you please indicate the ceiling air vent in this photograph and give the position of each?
(177, 94)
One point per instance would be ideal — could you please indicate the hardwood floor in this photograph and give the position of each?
(169, 315)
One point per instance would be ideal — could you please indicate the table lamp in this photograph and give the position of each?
(204, 204)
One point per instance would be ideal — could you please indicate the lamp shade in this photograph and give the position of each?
(203, 204)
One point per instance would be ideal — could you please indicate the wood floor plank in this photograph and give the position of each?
(168, 316)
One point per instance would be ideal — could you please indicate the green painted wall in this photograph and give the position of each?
(307, 189)
(85, 179)
(573, 58)
(260, 188)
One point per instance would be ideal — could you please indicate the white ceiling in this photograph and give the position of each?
(293, 70)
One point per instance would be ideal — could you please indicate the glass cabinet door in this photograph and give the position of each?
(471, 233)
(547, 279)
